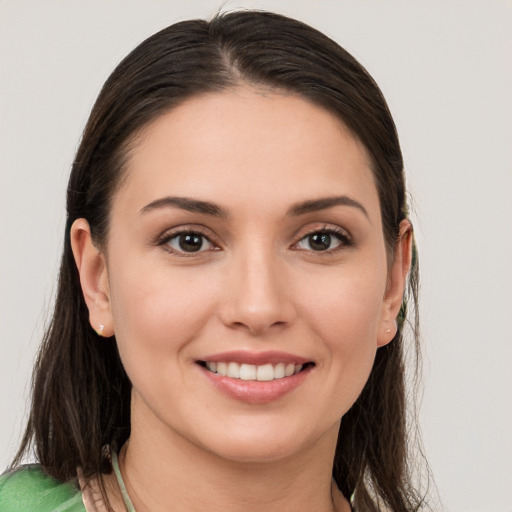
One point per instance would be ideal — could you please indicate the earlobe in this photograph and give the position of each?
(397, 280)
(92, 268)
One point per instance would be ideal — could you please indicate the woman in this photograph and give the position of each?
(228, 326)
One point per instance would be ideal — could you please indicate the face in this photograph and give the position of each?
(245, 277)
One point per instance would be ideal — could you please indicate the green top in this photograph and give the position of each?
(29, 489)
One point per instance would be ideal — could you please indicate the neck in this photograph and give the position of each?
(163, 468)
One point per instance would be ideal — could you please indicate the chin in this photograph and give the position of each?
(270, 443)
(257, 452)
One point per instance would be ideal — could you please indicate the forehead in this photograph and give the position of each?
(244, 145)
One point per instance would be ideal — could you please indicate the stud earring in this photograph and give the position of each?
(388, 331)
(100, 329)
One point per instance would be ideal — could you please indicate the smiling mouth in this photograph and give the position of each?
(252, 372)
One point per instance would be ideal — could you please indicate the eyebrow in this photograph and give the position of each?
(208, 208)
(324, 203)
(185, 203)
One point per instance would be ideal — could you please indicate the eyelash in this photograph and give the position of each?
(338, 233)
(167, 237)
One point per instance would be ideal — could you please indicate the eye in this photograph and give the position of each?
(324, 240)
(189, 242)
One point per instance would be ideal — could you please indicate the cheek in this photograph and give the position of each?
(346, 306)
(344, 315)
(156, 311)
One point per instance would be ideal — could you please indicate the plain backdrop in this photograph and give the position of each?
(445, 68)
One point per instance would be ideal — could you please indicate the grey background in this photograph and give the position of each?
(445, 68)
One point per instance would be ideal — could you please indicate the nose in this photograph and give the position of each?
(257, 294)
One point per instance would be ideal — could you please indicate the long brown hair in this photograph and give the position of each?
(81, 393)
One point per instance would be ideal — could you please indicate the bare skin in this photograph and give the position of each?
(258, 182)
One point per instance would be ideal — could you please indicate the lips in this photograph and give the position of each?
(256, 377)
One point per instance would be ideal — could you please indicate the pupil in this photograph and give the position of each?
(191, 242)
(320, 241)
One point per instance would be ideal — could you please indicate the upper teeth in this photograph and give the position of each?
(253, 372)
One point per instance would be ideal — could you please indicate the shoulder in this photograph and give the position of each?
(29, 489)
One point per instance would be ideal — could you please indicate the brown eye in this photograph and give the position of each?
(323, 241)
(189, 242)
(320, 241)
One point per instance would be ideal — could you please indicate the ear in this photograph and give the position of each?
(397, 279)
(92, 268)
